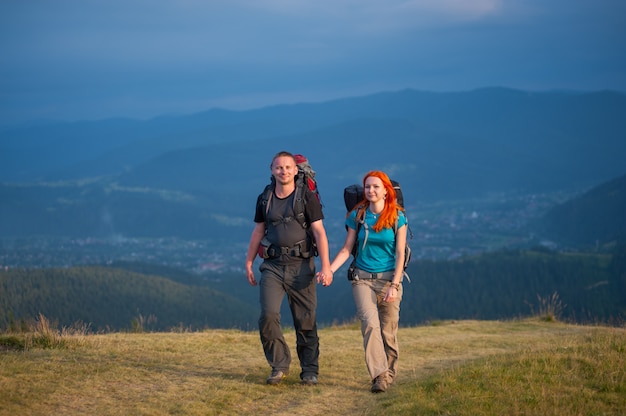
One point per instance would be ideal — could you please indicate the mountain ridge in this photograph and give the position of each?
(476, 110)
(186, 179)
(591, 220)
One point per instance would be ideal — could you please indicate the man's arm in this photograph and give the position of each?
(253, 248)
(325, 277)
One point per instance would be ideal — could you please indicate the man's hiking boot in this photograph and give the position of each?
(310, 380)
(379, 384)
(276, 377)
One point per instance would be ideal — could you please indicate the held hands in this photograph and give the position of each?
(325, 277)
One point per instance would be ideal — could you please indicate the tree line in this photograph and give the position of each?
(588, 287)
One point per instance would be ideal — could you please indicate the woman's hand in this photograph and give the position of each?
(393, 293)
(325, 277)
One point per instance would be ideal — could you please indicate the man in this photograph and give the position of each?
(288, 268)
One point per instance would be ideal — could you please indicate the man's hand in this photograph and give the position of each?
(325, 277)
(250, 276)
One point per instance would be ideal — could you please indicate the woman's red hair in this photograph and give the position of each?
(389, 216)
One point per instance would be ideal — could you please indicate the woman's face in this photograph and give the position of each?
(374, 189)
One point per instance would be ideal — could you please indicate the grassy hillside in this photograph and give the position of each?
(461, 368)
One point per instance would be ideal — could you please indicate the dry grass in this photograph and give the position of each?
(221, 372)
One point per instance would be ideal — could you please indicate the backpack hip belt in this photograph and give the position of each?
(359, 274)
(300, 249)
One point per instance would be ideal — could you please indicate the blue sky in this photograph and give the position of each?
(88, 59)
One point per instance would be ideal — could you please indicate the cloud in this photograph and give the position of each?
(91, 58)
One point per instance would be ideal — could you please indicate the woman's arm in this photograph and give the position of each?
(345, 251)
(392, 292)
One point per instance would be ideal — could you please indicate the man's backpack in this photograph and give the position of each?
(352, 195)
(305, 182)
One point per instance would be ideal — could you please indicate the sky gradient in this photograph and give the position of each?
(86, 59)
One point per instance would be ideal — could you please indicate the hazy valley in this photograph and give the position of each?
(482, 172)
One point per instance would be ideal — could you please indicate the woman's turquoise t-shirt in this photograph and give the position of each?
(379, 253)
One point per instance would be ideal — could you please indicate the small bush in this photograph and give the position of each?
(44, 334)
(11, 342)
(550, 309)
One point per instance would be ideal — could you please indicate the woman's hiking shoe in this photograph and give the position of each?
(379, 384)
(309, 380)
(276, 377)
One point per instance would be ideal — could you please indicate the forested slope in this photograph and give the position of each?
(115, 299)
(503, 285)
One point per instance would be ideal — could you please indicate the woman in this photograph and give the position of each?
(377, 277)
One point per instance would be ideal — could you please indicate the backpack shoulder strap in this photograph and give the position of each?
(360, 222)
(299, 201)
(366, 227)
(266, 197)
(395, 227)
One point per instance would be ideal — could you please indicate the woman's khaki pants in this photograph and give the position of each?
(379, 325)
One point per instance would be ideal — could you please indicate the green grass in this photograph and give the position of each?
(526, 367)
(579, 375)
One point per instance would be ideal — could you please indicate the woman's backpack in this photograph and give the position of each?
(352, 195)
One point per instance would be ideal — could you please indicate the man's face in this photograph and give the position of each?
(284, 170)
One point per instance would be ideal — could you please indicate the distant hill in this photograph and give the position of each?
(198, 176)
(595, 219)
